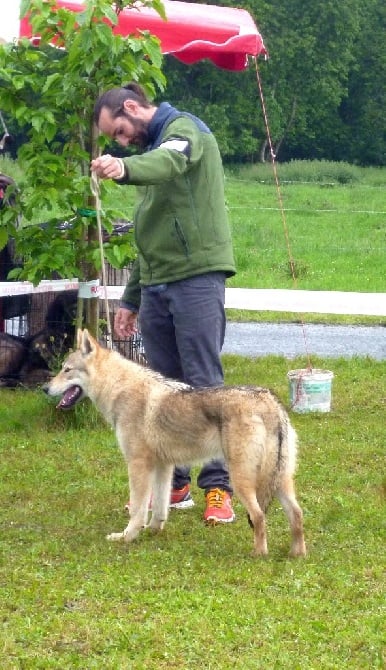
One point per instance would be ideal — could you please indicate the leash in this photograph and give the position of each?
(94, 183)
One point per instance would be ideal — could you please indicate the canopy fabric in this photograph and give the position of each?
(192, 32)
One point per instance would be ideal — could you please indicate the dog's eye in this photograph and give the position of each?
(66, 368)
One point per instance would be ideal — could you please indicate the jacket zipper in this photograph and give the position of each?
(181, 237)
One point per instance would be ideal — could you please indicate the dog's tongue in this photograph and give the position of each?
(70, 397)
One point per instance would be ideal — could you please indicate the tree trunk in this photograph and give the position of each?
(91, 305)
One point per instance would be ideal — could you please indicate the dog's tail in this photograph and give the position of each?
(284, 462)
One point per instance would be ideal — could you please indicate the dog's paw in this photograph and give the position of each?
(128, 535)
(260, 548)
(115, 537)
(298, 551)
(156, 525)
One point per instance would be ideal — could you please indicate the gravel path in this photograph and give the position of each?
(291, 340)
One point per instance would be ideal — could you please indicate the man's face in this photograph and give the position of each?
(125, 129)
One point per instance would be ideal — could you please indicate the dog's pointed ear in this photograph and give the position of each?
(86, 343)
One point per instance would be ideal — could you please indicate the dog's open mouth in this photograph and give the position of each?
(70, 397)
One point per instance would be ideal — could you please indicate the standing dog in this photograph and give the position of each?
(160, 423)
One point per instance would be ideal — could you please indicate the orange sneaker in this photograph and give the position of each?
(218, 507)
(179, 499)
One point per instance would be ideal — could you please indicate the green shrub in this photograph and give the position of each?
(321, 172)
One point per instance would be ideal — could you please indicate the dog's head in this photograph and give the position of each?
(72, 382)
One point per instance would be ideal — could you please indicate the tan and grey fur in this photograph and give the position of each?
(160, 423)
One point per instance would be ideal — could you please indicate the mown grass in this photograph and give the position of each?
(334, 240)
(193, 597)
(322, 227)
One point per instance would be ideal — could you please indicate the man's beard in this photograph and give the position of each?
(141, 131)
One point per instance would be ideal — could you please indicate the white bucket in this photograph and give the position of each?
(310, 390)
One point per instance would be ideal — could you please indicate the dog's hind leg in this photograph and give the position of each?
(256, 519)
(161, 496)
(245, 489)
(141, 474)
(287, 497)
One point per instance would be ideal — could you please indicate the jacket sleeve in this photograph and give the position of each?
(131, 298)
(181, 147)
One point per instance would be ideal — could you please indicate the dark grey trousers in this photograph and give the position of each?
(183, 327)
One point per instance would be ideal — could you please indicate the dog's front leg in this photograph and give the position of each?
(141, 477)
(161, 496)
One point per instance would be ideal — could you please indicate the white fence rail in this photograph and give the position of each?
(274, 300)
(318, 302)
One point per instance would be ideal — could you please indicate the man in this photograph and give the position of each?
(184, 254)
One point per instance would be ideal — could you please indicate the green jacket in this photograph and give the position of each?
(180, 222)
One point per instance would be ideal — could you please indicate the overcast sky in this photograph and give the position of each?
(9, 19)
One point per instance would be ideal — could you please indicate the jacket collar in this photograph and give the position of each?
(163, 115)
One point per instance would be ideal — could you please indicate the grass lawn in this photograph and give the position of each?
(335, 236)
(193, 597)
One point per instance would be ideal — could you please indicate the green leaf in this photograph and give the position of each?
(104, 34)
(3, 237)
(51, 81)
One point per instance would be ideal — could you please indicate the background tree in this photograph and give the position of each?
(227, 101)
(363, 113)
(309, 69)
(50, 92)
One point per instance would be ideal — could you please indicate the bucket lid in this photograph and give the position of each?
(313, 373)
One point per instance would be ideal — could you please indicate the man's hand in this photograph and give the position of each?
(108, 167)
(125, 322)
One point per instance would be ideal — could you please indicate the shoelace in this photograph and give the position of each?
(215, 498)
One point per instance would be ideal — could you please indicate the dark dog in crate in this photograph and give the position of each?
(29, 360)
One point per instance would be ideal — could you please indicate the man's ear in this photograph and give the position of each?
(131, 107)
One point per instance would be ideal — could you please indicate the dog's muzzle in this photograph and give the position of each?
(69, 397)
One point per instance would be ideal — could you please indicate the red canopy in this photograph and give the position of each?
(225, 35)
